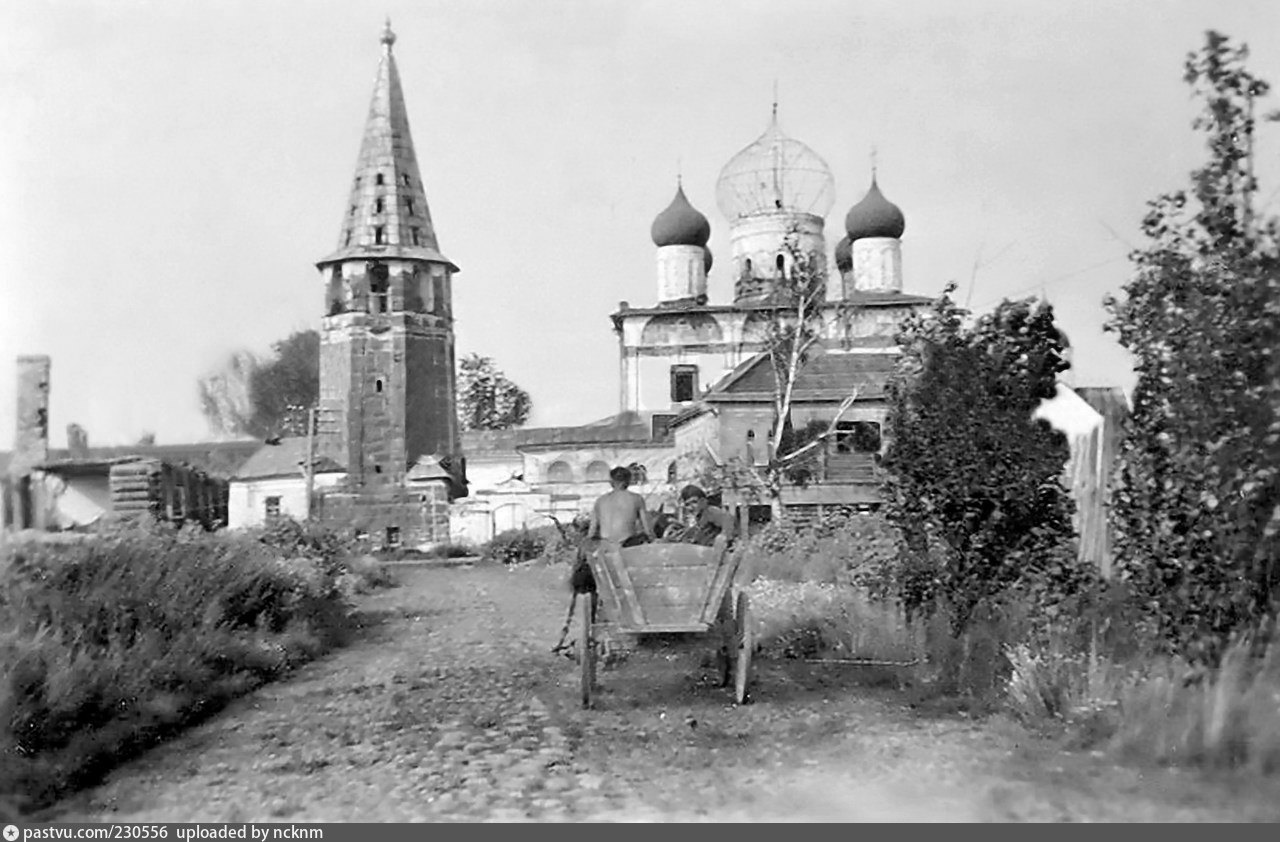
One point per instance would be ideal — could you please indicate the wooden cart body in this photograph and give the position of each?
(667, 588)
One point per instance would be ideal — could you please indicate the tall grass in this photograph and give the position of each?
(111, 642)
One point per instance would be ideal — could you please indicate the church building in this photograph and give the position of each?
(695, 388)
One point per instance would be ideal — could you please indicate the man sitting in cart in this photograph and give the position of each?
(620, 516)
(709, 521)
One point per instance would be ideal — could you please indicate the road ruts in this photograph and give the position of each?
(436, 714)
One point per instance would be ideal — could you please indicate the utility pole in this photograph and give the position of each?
(311, 459)
(315, 426)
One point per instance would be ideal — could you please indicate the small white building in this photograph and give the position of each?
(273, 483)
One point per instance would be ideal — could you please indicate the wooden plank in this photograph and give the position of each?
(611, 562)
(605, 586)
(674, 616)
(681, 575)
(693, 597)
(727, 565)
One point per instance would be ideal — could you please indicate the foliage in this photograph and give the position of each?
(268, 397)
(521, 544)
(487, 399)
(1197, 485)
(972, 482)
(109, 642)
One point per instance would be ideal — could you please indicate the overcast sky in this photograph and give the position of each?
(170, 171)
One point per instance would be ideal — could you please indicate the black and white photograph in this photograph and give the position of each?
(587, 411)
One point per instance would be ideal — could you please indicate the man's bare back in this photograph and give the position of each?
(620, 514)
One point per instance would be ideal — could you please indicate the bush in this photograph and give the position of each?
(109, 642)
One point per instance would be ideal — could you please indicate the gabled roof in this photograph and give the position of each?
(829, 375)
(285, 459)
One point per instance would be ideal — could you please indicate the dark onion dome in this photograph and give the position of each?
(680, 224)
(844, 254)
(706, 259)
(874, 216)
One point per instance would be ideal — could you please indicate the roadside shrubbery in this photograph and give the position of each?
(107, 643)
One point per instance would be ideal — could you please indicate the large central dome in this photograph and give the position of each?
(775, 174)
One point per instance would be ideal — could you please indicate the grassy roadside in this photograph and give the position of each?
(110, 643)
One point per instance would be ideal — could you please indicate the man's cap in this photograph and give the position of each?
(691, 492)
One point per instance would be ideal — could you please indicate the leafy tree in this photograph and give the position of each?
(487, 399)
(1197, 495)
(971, 481)
(224, 394)
(268, 397)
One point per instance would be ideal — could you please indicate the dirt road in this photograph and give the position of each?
(451, 707)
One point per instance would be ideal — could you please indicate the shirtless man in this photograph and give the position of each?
(620, 517)
(708, 521)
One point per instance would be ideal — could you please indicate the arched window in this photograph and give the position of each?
(672, 474)
(598, 471)
(559, 471)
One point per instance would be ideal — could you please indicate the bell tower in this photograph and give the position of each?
(387, 391)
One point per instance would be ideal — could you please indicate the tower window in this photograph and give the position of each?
(414, 233)
(684, 383)
(271, 507)
(352, 212)
(377, 208)
(378, 179)
(377, 385)
(377, 469)
(348, 242)
(377, 235)
(409, 206)
(748, 266)
(782, 264)
(405, 178)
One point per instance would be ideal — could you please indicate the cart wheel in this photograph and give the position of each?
(587, 648)
(742, 675)
(728, 639)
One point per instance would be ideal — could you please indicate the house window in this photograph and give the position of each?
(378, 179)
(661, 426)
(672, 473)
(684, 383)
(560, 471)
(272, 507)
(393, 536)
(598, 471)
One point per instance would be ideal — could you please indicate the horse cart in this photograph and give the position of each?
(668, 588)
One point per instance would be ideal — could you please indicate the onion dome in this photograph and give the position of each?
(680, 224)
(706, 259)
(775, 174)
(844, 254)
(874, 216)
